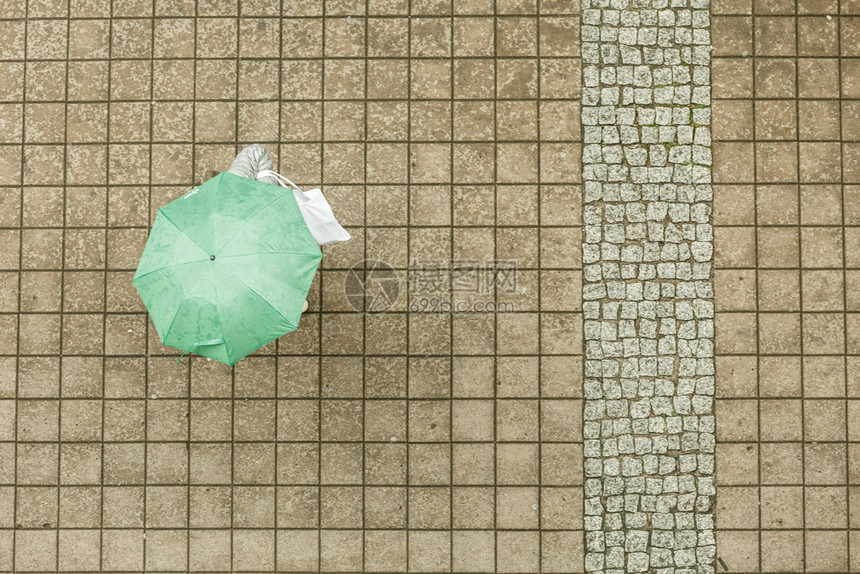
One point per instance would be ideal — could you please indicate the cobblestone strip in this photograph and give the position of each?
(648, 300)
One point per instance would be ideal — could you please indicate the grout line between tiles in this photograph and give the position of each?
(233, 486)
(364, 332)
(842, 205)
(495, 287)
(277, 167)
(62, 309)
(19, 299)
(800, 276)
(321, 290)
(409, 247)
(757, 316)
(108, 140)
(452, 237)
(540, 403)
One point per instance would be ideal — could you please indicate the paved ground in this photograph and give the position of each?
(786, 83)
(429, 450)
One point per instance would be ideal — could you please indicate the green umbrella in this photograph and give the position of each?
(227, 267)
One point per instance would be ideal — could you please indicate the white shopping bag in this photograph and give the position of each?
(316, 211)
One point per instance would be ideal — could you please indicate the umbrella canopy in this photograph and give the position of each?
(227, 267)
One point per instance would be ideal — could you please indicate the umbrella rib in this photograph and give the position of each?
(249, 218)
(171, 266)
(172, 321)
(220, 320)
(271, 253)
(212, 211)
(179, 229)
(263, 299)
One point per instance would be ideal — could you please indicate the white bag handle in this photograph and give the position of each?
(283, 181)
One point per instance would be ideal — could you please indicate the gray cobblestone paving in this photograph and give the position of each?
(647, 291)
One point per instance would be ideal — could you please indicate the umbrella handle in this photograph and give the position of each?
(280, 178)
(199, 344)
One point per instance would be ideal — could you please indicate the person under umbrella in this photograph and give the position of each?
(227, 266)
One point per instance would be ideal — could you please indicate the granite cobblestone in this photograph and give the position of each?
(647, 293)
